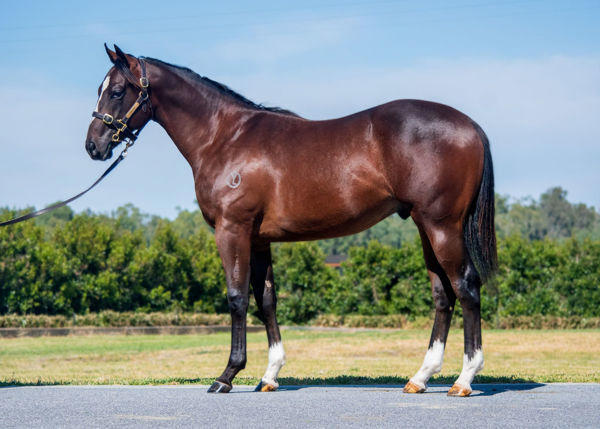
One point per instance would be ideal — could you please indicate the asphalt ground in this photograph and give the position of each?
(491, 405)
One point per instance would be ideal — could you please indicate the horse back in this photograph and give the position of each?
(319, 179)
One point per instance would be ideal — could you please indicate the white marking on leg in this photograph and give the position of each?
(432, 364)
(276, 361)
(104, 86)
(470, 368)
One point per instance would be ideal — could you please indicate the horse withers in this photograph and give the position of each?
(265, 174)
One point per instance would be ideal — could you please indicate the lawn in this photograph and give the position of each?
(313, 357)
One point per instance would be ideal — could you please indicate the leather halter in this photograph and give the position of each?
(120, 125)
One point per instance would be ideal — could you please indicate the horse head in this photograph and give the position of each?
(122, 107)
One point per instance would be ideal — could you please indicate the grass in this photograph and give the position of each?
(314, 357)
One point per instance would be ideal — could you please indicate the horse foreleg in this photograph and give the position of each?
(233, 243)
(444, 299)
(263, 287)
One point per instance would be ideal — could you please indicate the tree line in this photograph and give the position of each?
(67, 263)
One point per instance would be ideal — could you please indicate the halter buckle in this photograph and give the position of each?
(107, 119)
(144, 82)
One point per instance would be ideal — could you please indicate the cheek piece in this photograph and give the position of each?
(121, 125)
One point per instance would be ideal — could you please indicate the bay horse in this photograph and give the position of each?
(264, 174)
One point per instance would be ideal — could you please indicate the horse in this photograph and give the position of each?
(265, 174)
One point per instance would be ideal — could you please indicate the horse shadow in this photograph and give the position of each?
(482, 385)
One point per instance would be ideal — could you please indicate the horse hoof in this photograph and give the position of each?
(265, 387)
(219, 387)
(412, 388)
(458, 390)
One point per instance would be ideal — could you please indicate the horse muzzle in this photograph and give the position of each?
(92, 149)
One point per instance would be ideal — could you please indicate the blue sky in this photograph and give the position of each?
(527, 71)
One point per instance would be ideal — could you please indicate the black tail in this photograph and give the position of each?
(479, 228)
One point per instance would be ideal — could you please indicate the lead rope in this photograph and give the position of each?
(129, 139)
(55, 206)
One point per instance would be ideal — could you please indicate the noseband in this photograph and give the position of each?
(120, 125)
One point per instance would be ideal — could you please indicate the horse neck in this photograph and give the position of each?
(192, 113)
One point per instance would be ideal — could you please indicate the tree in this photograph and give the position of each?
(303, 281)
(379, 279)
(559, 213)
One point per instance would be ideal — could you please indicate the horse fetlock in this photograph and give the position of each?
(237, 362)
(471, 366)
(432, 364)
(276, 362)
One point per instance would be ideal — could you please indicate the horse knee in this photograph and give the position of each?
(238, 303)
(442, 303)
(443, 300)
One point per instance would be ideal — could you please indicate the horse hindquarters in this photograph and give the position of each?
(453, 248)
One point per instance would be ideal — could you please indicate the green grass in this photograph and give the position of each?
(321, 357)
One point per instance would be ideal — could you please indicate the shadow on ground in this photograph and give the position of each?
(482, 386)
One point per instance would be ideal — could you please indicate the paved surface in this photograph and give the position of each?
(533, 405)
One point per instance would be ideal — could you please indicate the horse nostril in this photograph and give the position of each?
(90, 146)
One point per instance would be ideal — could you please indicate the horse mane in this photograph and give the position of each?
(224, 89)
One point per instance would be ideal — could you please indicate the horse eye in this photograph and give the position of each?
(117, 94)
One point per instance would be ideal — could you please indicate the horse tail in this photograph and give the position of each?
(479, 228)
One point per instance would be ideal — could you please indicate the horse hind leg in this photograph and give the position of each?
(448, 245)
(444, 299)
(263, 286)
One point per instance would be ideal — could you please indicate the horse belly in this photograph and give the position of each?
(328, 215)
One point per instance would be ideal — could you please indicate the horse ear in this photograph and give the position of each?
(111, 55)
(120, 53)
(128, 60)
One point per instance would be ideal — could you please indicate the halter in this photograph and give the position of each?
(120, 125)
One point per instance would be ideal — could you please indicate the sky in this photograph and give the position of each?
(528, 71)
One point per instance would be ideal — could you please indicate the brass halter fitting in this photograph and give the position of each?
(107, 119)
(120, 129)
